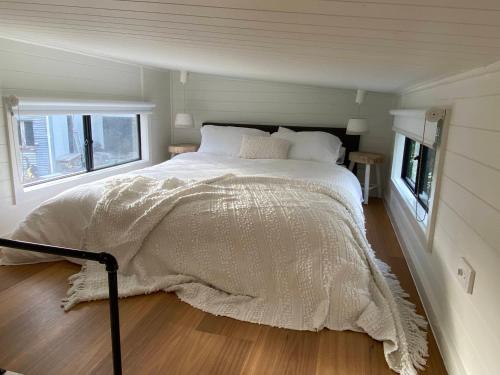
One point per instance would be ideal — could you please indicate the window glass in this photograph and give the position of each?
(417, 170)
(50, 147)
(412, 152)
(426, 173)
(115, 140)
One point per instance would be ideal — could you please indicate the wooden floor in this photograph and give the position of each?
(161, 335)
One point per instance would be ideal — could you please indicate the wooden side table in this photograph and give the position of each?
(368, 159)
(181, 148)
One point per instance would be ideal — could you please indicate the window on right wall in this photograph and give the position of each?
(417, 170)
(416, 164)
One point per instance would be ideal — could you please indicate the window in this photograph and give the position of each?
(56, 146)
(115, 140)
(417, 170)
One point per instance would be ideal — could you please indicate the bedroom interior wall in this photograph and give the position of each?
(28, 70)
(225, 99)
(468, 222)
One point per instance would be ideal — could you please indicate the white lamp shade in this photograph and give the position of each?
(357, 126)
(183, 120)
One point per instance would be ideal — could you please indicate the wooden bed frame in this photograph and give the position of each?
(350, 142)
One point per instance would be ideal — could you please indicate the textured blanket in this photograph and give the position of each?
(274, 251)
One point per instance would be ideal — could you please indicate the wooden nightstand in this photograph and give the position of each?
(368, 159)
(181, 148)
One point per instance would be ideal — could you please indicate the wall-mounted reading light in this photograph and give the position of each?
(183, 119)
(358, 125)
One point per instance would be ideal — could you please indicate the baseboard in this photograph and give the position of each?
(410, 244)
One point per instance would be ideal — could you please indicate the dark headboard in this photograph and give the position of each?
(350, 142)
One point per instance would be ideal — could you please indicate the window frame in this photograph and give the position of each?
(88, 150)
(404, 209)
(422, 160)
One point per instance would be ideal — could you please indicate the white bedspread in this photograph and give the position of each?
(74, 207)
(275, 242)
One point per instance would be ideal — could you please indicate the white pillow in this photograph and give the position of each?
(257, 147)
(225, 140)
(281, 129)
(313, 145)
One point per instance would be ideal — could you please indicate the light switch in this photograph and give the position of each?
(465, 275)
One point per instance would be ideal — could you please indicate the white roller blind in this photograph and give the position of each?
(419, 125)
(34, 106)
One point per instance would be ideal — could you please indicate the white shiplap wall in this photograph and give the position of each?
(28, 70)
(467, 225)
(224, 99)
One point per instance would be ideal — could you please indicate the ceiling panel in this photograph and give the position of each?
(381, 45)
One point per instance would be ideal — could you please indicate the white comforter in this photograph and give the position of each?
(74, 207)
(276, 242)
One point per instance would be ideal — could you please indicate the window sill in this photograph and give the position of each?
(43, 191)
(410, 202)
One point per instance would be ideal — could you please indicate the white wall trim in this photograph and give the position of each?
(492, 68)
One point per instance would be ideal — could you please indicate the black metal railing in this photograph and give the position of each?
(111, 268)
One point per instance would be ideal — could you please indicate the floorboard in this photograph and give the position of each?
(162, 335)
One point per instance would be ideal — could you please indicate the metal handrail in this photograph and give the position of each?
(111, 268)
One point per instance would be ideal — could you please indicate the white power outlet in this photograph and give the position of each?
(466, 275)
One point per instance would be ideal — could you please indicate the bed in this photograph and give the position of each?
(276, 242)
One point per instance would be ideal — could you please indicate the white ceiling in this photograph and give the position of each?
(380, 45)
